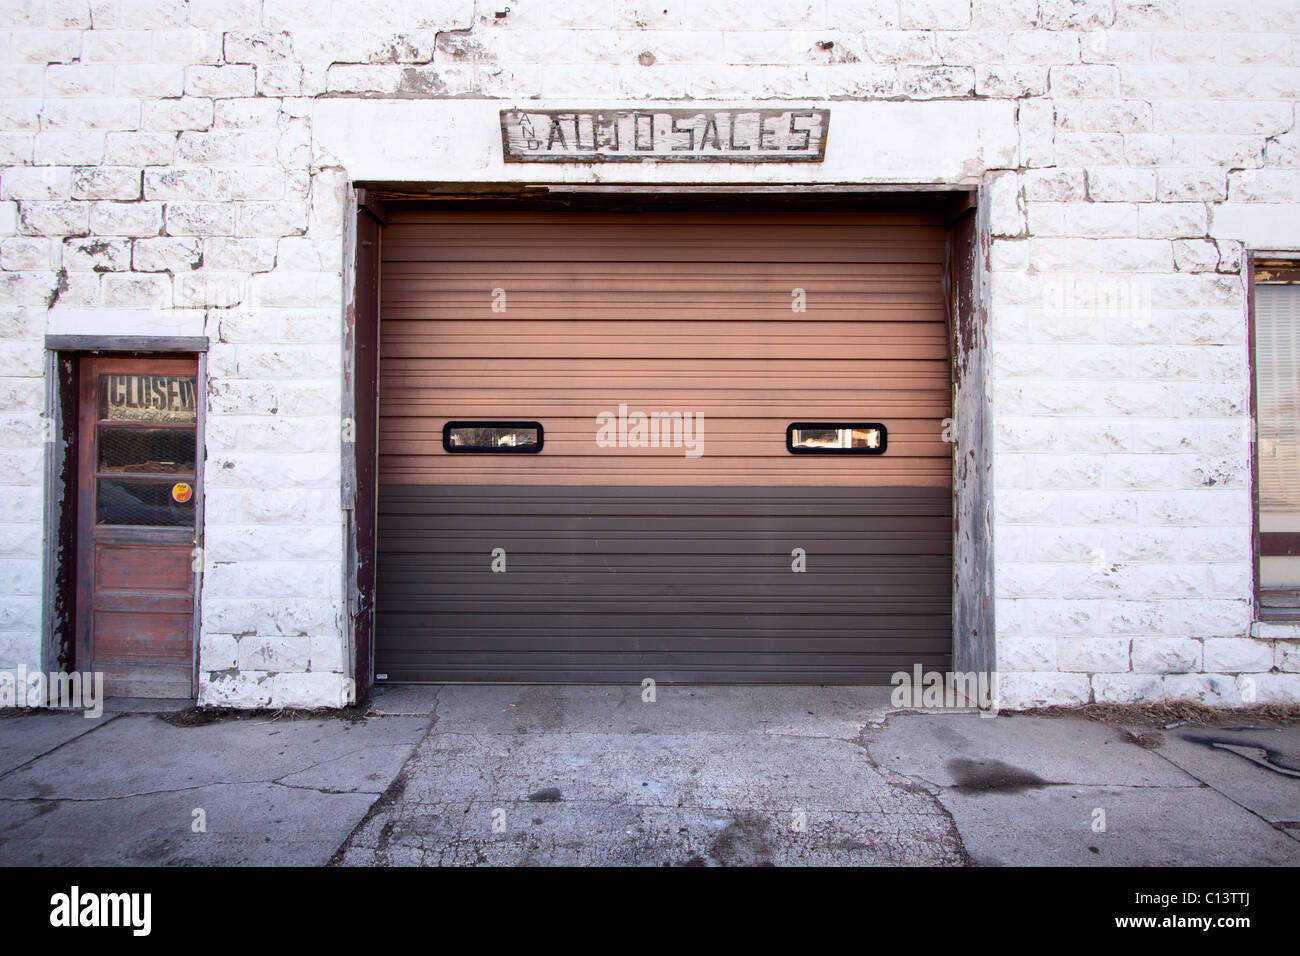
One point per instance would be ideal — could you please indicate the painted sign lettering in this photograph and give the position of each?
(677, 135)
(168, 399)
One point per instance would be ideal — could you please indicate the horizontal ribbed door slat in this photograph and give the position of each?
(626, 563)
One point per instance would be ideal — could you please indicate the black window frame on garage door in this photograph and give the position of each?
(964, 293)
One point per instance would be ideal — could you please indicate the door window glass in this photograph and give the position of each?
(167, 503)
(835, 438)
(517, 437)
(164, 451)
(145, 444)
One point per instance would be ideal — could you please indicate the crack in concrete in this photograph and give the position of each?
(135, 795)
(454, 849)
(908, 785)
(380, 848)
(101, 722)
(433, 712)
(337, 757)
(296, 786)
(377, 840)
(279, 781)
(1210, 786)
(392, 793)
(378, 843)
(196, 787)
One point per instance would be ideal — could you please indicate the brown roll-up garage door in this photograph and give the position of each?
(674, 560)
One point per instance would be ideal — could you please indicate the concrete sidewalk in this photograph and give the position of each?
(459, 775)
(125, 788)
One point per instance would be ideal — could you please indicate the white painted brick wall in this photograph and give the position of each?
(175, 166)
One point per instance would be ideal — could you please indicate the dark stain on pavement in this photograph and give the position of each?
(549, 795)
(744, 842)
(1270, 760)
(991, 776)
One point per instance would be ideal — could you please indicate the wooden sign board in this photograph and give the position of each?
(667, 136)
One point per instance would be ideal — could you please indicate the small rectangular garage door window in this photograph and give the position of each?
(836, 438)
(494, 437)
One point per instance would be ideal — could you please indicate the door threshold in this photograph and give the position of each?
(146, 705)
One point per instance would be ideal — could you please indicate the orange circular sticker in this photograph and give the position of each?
(181, 491)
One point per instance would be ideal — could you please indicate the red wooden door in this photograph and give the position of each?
(136, 507)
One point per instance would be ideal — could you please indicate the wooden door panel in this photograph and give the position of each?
(136, 584)
(142, 636)
(139, 679)
(153, 568)
(143, 603)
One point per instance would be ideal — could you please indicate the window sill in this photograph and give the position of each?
(1276, 630)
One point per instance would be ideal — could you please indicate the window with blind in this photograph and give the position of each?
(1277, 371)
(1277, 409)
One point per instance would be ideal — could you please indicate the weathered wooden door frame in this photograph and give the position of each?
(363, 232)
(60, 521)
(967, 298)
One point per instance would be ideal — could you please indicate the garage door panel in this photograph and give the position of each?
(598, 574)
(860, 325)
(701, 499)
(624, 562)
(914, 313)
(883, 567)
(462, 279)
(762, 298)
(848, 287)
(690, 646)
(642, 306)
(617, 368)
(410, 590)
(559, 441)
(539, 670)
(738, 228)
(700, 530)
(423, 400)
(690, 618)
(518, 665)
(705, 251)
(697, 646)
(513, 213)
(685, 371)
(427, 406)
(718, 448)
(669, 469)
(576, 353)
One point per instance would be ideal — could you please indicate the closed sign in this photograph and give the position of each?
(166, 399)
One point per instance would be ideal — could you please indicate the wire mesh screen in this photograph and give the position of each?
(149, 450)
(148, 502)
